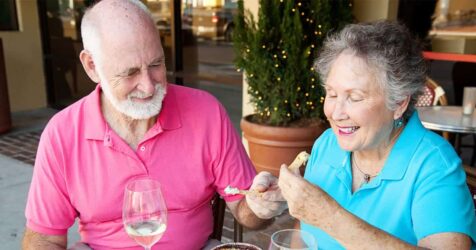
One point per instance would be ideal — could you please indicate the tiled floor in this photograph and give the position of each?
(21, 145)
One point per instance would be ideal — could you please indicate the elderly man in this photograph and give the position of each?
(135, 124)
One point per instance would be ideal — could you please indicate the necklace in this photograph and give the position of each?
(367, 177)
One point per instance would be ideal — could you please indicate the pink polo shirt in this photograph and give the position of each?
(82, 167)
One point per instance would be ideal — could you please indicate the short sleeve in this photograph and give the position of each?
(48, 209)
(442, 201)
(232, 166)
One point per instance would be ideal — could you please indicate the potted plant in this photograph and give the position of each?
(277, 53)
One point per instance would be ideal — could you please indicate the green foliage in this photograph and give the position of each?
(277, 53)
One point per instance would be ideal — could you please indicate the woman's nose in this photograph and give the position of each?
(339, 112)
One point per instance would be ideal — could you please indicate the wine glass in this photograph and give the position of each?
(292, 239)
(144, 212)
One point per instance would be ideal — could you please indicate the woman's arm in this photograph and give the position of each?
(312, 205)
(446, 241)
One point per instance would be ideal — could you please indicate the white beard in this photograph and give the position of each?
(136, 110)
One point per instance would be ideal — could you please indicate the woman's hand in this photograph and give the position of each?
(306, 202)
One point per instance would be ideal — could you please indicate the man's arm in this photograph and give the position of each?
(245, 215)
(37, 241)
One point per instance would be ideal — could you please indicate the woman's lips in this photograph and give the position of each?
(347, 130)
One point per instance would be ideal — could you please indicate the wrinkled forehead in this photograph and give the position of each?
(353, 71)
(129, 33)
(370, 65)
(129, 51)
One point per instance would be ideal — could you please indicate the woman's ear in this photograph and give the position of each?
(402, 107)
(89, 66)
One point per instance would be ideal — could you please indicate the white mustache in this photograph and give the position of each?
(140, 94)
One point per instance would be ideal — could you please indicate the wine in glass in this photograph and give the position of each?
(144, 212)
(292, 239)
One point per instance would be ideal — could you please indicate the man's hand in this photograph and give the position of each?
(270, 202)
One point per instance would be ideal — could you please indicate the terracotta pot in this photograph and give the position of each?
(269, 146)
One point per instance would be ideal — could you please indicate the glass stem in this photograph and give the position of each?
(147, 248)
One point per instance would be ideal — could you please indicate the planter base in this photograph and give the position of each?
(269, 147)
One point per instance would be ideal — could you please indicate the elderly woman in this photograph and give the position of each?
(378, 179)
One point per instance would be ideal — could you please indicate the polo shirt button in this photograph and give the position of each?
(142, 148)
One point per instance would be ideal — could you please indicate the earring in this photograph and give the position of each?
(397, 123)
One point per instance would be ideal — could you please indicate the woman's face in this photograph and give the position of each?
(355, 106)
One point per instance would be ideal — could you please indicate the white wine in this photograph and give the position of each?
(146, 233)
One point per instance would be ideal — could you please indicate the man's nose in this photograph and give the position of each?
(146, 84)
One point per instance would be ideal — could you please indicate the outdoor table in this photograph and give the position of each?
(448, 119)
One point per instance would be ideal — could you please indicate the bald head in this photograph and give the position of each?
(110, 19)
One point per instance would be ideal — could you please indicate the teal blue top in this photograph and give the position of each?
(420, 191)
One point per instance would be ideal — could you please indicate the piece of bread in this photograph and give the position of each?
(300, 160)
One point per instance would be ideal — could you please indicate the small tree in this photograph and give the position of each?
(277, 53)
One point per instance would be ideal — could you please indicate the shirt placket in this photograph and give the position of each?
(115, 143)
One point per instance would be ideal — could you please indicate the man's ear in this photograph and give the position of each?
(89, 65)
(402, 107)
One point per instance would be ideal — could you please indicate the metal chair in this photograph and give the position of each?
(433, 94)
(219, 207)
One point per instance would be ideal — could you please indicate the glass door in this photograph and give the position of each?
(60, 22)
(209, 24)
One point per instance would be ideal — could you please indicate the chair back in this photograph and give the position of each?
(433, 94)
(471, 181)
(219, 207)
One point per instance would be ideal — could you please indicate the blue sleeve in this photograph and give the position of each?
(442, 202)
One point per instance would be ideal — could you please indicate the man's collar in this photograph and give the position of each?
(170, 115)
(96, 126)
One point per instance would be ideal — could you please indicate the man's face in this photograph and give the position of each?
(132, 72)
